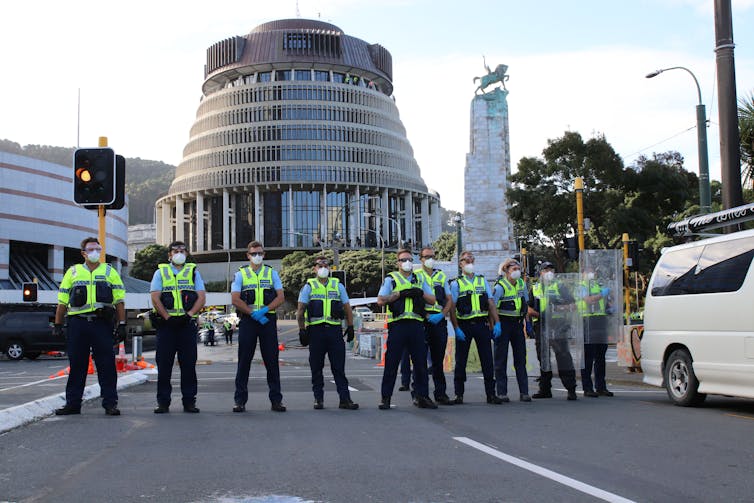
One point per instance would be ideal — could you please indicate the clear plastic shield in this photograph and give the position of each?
(562, 332)
(601, 295)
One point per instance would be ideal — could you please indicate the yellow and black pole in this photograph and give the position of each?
(101, 216)
(626, 300)
(578, 185)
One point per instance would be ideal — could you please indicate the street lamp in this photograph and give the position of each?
(701, 135)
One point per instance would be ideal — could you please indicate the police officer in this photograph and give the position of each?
(592, 305)
(322, 305)
(256, 292)
(471, 318)
(405, 294)
(178, 294)
(228, 330)
(545, 291)
(92, 295)
(511, 300)
(435, 326)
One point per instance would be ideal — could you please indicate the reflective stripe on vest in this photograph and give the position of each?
(513, 294)
(175, 283)
(402, 283)
(437, 279)
(551, 290)
(597, 309)
(258, 283)
(91, 288)
(476, 289)
(327, 294)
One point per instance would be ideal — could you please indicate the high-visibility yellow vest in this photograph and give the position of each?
(325, 306)
(85, 291)
(512, 299)
(437, 281)
(598, 308)
(257, 289)
(472, 298)
(542, 294)
(405, 309)
(180, 287)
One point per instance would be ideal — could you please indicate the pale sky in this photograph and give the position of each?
(577, 65)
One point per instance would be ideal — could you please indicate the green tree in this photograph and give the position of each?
(147, 260)
(746, 129)
(364, 270)
(445, 246)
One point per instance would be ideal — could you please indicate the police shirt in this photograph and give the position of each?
(156, 284)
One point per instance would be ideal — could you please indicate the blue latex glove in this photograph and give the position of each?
(605, 292)
(263, 320)
(497, 330)
(459, 334)
(259, 313)
(436, 318)
(529, 329)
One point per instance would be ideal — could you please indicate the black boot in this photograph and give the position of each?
(542, 393)
(67, 410)
(572, 394)
(424, 402)
(494, 399)
(385, 404)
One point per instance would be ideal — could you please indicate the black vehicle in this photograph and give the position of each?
(28, 334)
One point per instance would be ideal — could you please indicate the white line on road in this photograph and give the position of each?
(350, 388)
(32, 383)
(627, 390)
(544, 472)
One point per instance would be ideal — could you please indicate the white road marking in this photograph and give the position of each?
(350, 388)
(627, 390)
(33, 383)
(544, 472)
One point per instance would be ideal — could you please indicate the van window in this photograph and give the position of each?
(718, 267)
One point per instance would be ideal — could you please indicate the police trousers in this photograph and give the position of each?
(566, 370)
(402, 335)
(96, 335)
(180, 340)
(326, 339)
(436, 337)
(513, 334)
(249, 332)
(478, 330)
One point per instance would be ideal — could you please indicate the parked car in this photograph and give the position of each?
(28, 334)
(365, 312)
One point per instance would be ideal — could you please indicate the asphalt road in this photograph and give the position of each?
(633, 447)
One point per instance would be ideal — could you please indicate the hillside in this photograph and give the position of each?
(145, 180)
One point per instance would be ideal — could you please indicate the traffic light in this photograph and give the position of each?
(571, 246)
(30, 292)
(341, 275)
(94, 176)
(633, 256)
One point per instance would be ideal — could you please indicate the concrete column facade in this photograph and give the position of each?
(354, 222)
(200, 221)
(427, 236)
(4, 259)
(385, 212)
(226, 220)
(258, 216)
(232, 221)
(436, 220)
(179, 218)
(291, 219)
(409, 218)
(323, 215)
(166, 230)
(55, 262)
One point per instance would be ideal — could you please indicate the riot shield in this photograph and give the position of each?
(602, 284)
(562, 333)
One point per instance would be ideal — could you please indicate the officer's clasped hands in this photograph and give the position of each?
(436, 318)
(259, 315)
(459, 334)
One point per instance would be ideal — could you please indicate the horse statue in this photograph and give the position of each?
(499, 75)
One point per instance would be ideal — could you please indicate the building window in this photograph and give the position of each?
(264, 76)
(338, 77)
(303, 75)
(282, 75)
(321, 76)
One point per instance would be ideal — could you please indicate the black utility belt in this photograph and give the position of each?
(89, 317)
(480, 319)
(511, 318)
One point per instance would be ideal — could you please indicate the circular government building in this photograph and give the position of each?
(297, 144)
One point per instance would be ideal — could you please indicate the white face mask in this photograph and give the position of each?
(468, 268)
(548, 276)
(257, 259)
(429, 263)
(407, 266)
(516, 274)
(323, 272)
(179, 259)
(590, 275)
(92, 256)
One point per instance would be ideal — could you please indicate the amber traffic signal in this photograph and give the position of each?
(30, 292)
(94, 176)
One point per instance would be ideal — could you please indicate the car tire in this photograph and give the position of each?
(15, 350)
(680, 381)
(32, 355)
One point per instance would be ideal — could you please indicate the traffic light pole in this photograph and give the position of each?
(627, 299)
(578, 185)
(101, 216)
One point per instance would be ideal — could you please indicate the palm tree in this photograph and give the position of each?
(746, 129)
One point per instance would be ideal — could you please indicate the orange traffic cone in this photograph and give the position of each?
(61, 373)
(384, 350)
(281, 347)
(121, 359)
(91, 369)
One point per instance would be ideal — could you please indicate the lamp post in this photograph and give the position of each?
(705, 201)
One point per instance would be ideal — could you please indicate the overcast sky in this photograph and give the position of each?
(575, 66)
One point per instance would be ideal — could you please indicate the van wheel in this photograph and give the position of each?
(680, 380)
(15, 350)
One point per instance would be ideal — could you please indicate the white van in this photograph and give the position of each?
(699, 320)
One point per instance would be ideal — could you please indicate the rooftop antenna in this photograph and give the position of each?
(298, 12)
(78, 119)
